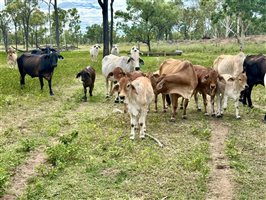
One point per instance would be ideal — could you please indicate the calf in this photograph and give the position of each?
(255, 68)
(41, 66)
(94, 51)
(127, 64)
(207, 85)
(11, 58)
(230, 87)
(115, 50)
(138, 96)
(182, 83)
(88, 78)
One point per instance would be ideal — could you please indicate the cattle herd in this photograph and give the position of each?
(231, 76)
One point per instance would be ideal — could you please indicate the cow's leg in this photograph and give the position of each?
(142, 123)
(174, 106)
(182, 104)
(205, 103)
(219, 105)
(212, 105)
(22, 79)
(85, 92)
(50, 86)
(248, 96)
(133, 122)
(91, 89)
(196, 101)
(41, 82)
(185, 108)
(107, 87)
(155, 102)
(164, 107)
(225, 102)
(237, 108)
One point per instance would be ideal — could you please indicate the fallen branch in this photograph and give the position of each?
(155, 139)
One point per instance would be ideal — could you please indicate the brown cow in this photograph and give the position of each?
(12, 58)
(207, 84)
(182, 83)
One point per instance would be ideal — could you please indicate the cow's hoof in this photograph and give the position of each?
(206, 114)
(107, 96)
(251, 106)
(238, 117)
(219, 116)
(142, 136)
(199, 109)
(132, 137)
(172, 119)
(184, 117)
(116, 101)
(213, 114)
(51, 94)
(164, 110)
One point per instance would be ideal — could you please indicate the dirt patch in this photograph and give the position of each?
(19, 181)
(220, 184)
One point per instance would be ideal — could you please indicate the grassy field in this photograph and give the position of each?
(82, 150)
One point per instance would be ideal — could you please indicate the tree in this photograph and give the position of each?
(104, 6)
(94, 33)
(38, 19)
(74, 24)
(56, 25)
(4, 28)
(111, 23)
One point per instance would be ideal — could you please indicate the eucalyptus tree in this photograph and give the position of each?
(4, 20)
(38, 19)
(74, 24)
(62, 21)
(94, 33)
(104, 6)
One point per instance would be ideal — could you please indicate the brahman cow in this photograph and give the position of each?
(115, 50)
(229, 64)
(230, 87)
(255, 68)
(166, 67)
(41, 66)
(138, 96)
(88, 78)
(11, 58)
(207, 84)
(127, 64)
(182, 83)
(94, 51)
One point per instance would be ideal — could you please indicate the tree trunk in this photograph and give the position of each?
(227, 26)
(104, 6)
(112, 24)
(56, 25)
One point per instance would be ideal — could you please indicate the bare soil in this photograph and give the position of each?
(220, 184)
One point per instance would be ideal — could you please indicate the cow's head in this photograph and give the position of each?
(96, 46)
(53, 57)
(85, 77)
(240, 81)
(116, 74)
(209, 79)
(135, 63)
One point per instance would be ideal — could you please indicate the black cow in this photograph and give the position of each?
(41, 66)
(255, 68)
(88, 78)
(46, 50)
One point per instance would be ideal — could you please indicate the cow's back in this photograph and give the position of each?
(109, 62)
(30, 64)
(169, 66)
(144, 90)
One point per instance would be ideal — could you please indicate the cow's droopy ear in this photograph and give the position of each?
(132, 87)
(110, 74)
(141, 62)
(129, 59)
(60, 57)
(78, 75)
(115, 88)
(160, 85)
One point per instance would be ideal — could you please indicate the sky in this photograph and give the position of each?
(89, 10)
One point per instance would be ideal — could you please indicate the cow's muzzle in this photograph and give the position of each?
(137, 68)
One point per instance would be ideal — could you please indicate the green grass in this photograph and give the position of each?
(94, 158)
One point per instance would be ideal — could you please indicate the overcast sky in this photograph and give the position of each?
(89, 10)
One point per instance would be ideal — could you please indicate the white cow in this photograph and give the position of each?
(138, 96)
(115, 50)
(11, 58)
(229, 64)
(94, 51)
(109, 62)
(230, 87)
